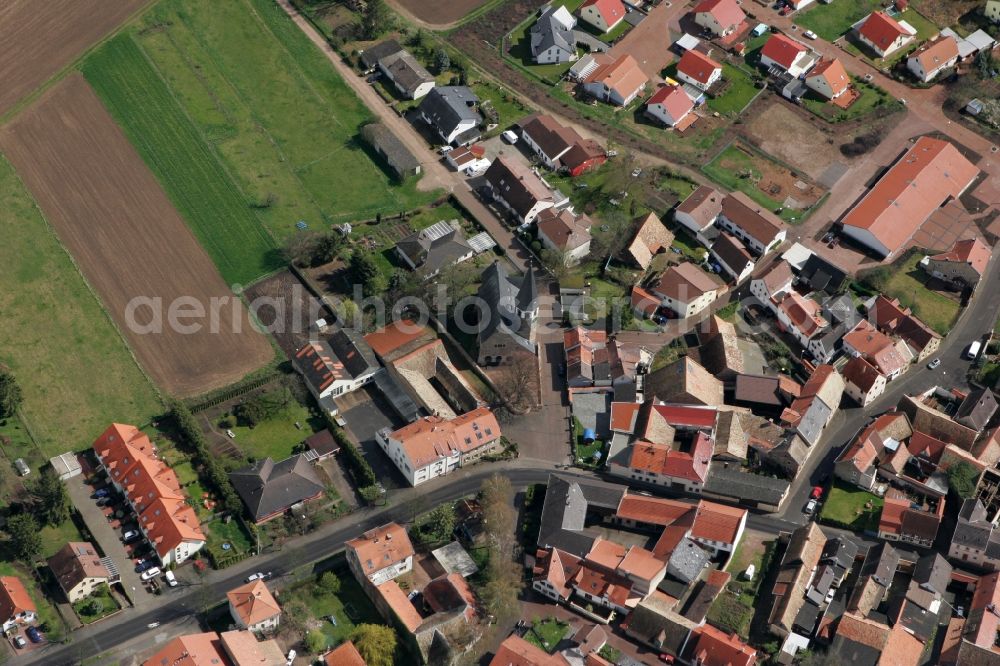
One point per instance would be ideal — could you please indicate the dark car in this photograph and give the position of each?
(101, 492)
(33, 634)
(143, 565)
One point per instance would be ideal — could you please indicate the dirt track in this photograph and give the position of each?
(37, 39)
(438, 13)
(127, 238)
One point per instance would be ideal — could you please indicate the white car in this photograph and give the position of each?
(510, 136)
(830, 594)
(811, 507)
(255, 576)
(809, 34)
(170, 578)
(150, 574)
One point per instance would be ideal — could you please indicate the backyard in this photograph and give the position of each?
(733, 609)
(872, 97)
(740, 92)
(228, 542)
(546, 633)
(519, 47)
(851, 508)
(47, 305)
(349, 607)
(905, 280)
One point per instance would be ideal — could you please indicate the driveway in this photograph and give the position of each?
(109, 542)
(370, 414)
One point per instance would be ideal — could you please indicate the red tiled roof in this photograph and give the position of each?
(641, 563)
(804, 313)
(714, 647)
(860, 373)
(190, 650)
(344, 654)
(622, 75)
(253, 602)
(760, 223)
(565, 230)
(394, 336)
(168, 522)
(862, 630)
(606, 554)
(893, 509)
(783, 50)
(987, 592)
(717, 522)
(643, 301)
(688, 416)
(674, 100)
(703, 205)
(651, 510)
(935, 54)
(698, 66)
(833, 72)
(777, 276)
(931, 172)
(623, 416)
(611, 11)
(515, 651)
(381, 547)
(433, 437)
(14, 598)
(401, 606)
(726, 12)
(881, 30)
(862, 451)
(970, 251)
(686, 282)
(664, 460)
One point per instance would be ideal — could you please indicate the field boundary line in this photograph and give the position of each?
(286, 163)
(90, 289)
(230, 181)
(62, 73)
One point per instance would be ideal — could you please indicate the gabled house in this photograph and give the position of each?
(685, 381)
(435, 248)
(767, 393)
(933, 58)
(507, 331)
(584, 155)
(699, 212)
(518, 189)
(720, 17)
(886, 355)
(380, 554)
(617, 81)
(370, 57)
(883, 34)
(671, 106)
(515, 651)
(587, 358)
(909, 521)
(340, 363)
(436, 446)
(651, 238)
(787, 55)
(401, 162)
(253, 607)
(758, 228)
(269, 489)
(801, 316)
(79, 570)
(771, 286)
(16, 605)
(795, 573)
(709, 646)
(687, 289)
(410, 78)
(239, 648)
(975, 540)
(451, 112)
(828, 78)
(863, 383)
(551, 37)
(733, 257)
(548, 139)
(720, 349)
(665, 465)
(603, 15)
(565, 233)
(930, 174)
(698, 69)
(882, 439)
(977, 410)
(818, 402)
(963, 265)
(345, 654)
(891, 318)
(470, 160)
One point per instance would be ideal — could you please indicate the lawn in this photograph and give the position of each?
(88, 613)
(847, 506)
(508, 107)
(277, 436)
(731, 613)
(738, 95)
(908, 284)
(183, 161)
(47, 305)
(349, 607)
(737, 161)
(830, 21)
(219, 532)
(546, 634)
(585, 452)
(55, 537)
(872, 97)
(733, 609)
(687, 245)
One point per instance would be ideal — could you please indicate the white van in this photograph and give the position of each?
(973, 350)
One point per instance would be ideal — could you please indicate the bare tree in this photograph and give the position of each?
(515, 383)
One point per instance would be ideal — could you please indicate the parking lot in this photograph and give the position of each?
(107, 533)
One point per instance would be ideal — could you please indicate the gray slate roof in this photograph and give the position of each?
(813, 421)
(739, 485)
(687, 560)
(821, 275)
(353, 351)
(399, 157)
(269, 487)
(447, 106)
(977, 409)
(371, 55)
(503, 295)
(405, 71)
(565, 510)
(431, 251)
(548, 32)
(881, 563)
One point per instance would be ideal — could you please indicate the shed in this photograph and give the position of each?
(453, 558)
(323, 444)
(66, 465)
(687, 42)
(974, 107)
(397, 156)
(22, 467)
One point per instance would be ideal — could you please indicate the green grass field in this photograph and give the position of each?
(740, 92)
(908, 284)
(291, 144)
(846, 506)
(830, 21)
(725, 168)
(277, 436)
(218, 214)
(74, 368)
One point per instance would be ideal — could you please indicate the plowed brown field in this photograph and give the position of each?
(440, 12)
(37, 39)
(127, 238)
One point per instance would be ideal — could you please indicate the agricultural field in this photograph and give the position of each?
(445, 12)
(183, 162)
(37, 40)
(129, 242)
(291, 146)
(47, 305)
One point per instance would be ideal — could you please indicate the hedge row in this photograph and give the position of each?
(214, 470)
(364, 475)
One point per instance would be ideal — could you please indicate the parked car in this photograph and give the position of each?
(101, 492)
(749, 573)
(130, 535)
(959, 611)
(935, 362)
(170, 578)
(103, 501)
(811, 507)
(19, 641)
(510, 136)
(255, 576)
(636, 173)
(830, 594)
(809, 34)
(143, 565)
(150, 574)
(973, 351)
(817, 492)
(34, 634)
